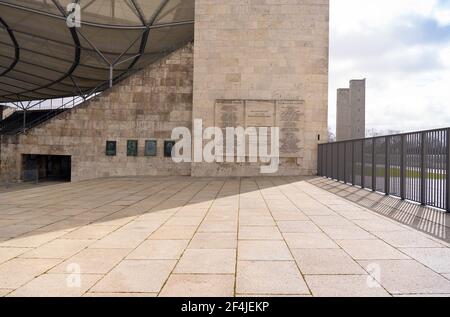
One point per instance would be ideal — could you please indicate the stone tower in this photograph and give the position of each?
(351, 111)
(266, 59)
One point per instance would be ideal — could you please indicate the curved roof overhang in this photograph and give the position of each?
(42, 57)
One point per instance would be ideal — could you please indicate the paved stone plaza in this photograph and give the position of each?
(208, 237)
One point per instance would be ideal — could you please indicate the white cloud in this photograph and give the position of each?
(402, 47)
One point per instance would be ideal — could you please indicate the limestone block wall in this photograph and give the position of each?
(263, 50)
(146, 106)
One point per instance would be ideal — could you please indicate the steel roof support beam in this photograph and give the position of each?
(77, 56)
(57, 42)
(146, 34)
(136, 7)
(54, 57)
(16, 48)
(39, 77)
(26, 82)
(99, 25)
(12, 93)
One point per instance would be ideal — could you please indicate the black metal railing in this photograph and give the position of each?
(413, 166)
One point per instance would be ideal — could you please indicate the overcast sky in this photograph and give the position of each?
(402, 48)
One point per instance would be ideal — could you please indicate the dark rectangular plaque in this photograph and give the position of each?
(111, 148)
(151, 147)
(168, 145)
(132, 148)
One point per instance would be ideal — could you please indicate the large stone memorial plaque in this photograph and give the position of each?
(290, 119)
(287, 115)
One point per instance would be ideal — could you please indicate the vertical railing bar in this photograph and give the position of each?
(374, 166)
(345, 162)
(402, 168)
(328, 161)
(353, 163)
(419, 165)
(334, 161)
(432, 197)
(423, 178)
(447, 189)
(438, 171)
(432, 171)
(324, 167)
(319, 160)
(331, 160)
(387, 170)
(363, 181)
(338, 161)
(336, 175)
(439, 154)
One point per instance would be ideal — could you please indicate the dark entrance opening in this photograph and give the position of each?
(46, 168)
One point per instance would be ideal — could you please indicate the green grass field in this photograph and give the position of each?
(395, 172)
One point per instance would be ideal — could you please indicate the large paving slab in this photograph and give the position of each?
(175, 236)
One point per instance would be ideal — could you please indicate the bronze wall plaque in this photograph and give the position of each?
(111, 148)
(132, 148)
(151, 148)
(168, 146)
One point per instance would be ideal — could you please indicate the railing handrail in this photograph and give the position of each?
(389, 135)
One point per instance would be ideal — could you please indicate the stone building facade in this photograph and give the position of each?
(146, 106)
(270, 56)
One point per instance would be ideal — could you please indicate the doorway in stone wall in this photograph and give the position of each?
(38, 168)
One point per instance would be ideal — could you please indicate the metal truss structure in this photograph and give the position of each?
(43, 58)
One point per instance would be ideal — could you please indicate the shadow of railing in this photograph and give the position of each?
(432, 221)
